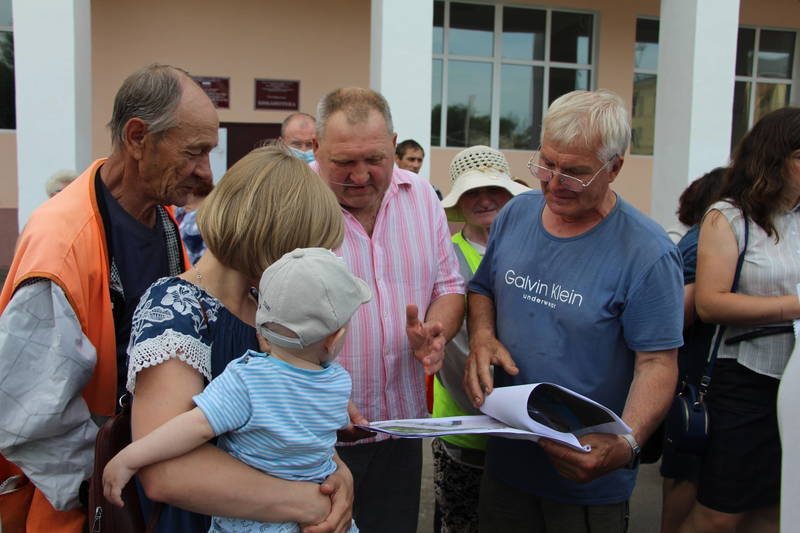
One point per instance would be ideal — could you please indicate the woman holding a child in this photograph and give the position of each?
(187, 328)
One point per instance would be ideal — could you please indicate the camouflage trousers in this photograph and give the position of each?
(457, 476)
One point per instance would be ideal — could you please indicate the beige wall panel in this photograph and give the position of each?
(323, 44)
(634, 183)
(8, 170)
(8, 199)
(775, 13)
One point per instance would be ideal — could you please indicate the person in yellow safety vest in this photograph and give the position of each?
(481, 186)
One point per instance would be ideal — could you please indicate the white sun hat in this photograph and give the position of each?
(477, 166)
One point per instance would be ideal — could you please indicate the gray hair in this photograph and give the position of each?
(590, 118)
(59, 180)
(151, 94)
(293, 116)
(356, 103)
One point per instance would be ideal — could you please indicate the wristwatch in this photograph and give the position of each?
(636, 451)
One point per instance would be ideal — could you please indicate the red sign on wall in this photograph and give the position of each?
(283, 95)
(217, 89)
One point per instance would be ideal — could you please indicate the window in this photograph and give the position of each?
(766, 80)
(645, 68)
(496, 68)
(764, 76)
(7, 107)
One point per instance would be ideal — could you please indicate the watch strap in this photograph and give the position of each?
(636, 450)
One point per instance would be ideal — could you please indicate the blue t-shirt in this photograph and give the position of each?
(572, 311)
(688, 248)
(693, 355)
(277, 417)
(140, 254)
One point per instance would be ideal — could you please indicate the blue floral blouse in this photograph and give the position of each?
(175, 318)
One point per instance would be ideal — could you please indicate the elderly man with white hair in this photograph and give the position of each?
(580, 289)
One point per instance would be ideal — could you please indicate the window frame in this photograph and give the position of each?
(497, 61)
(647, 71)
(9, 29)
(755, 79)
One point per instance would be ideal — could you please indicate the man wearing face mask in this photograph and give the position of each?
(297, 132)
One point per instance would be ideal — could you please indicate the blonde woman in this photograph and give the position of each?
(186, 328)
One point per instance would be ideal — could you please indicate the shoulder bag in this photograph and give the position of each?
(686, 425)
(105, 517)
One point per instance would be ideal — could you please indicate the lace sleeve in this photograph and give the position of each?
(173, 319)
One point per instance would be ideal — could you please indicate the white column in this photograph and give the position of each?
(694, 100)
(52, 67)
(400, 66)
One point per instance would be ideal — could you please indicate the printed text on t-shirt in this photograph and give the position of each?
(547, 294)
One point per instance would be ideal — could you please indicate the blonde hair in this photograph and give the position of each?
(590, 118)
(266, 205)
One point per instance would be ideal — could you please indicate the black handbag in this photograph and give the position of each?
(687, 424)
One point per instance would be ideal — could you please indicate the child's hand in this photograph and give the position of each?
(115, 476)
(350, 433)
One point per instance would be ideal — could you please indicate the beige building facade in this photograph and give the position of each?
(512, 66)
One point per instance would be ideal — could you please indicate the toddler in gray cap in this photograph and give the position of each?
(277, 410)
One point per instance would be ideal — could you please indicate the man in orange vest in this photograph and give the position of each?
(82, 262)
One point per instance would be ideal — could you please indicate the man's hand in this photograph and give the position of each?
(339, 486)
(609, 452)
(350, 433)
(426, 339)
(485, 351)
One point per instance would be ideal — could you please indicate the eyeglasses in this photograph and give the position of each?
(571, 183)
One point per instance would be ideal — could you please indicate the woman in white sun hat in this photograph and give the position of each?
(481, 186)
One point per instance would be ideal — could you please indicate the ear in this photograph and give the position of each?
(315, 146)
(135, 133)
(331, 340)
(263, 344)
(616, 166)
(394, 140)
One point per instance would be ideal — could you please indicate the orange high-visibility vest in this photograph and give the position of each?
(64, 241)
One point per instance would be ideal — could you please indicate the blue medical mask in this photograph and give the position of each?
(307, 156)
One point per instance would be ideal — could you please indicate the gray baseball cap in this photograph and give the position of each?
(310, 291)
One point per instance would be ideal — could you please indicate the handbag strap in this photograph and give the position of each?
(705, 381)
(125, 403)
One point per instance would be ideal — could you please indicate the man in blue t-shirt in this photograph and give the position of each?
(580, 289)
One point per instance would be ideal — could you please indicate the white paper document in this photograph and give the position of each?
(519, 412)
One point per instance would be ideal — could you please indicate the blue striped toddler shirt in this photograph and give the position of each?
(277, 417)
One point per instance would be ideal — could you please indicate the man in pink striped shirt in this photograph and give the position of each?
(397, 240)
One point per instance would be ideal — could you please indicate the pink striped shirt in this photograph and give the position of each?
(409, 259)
